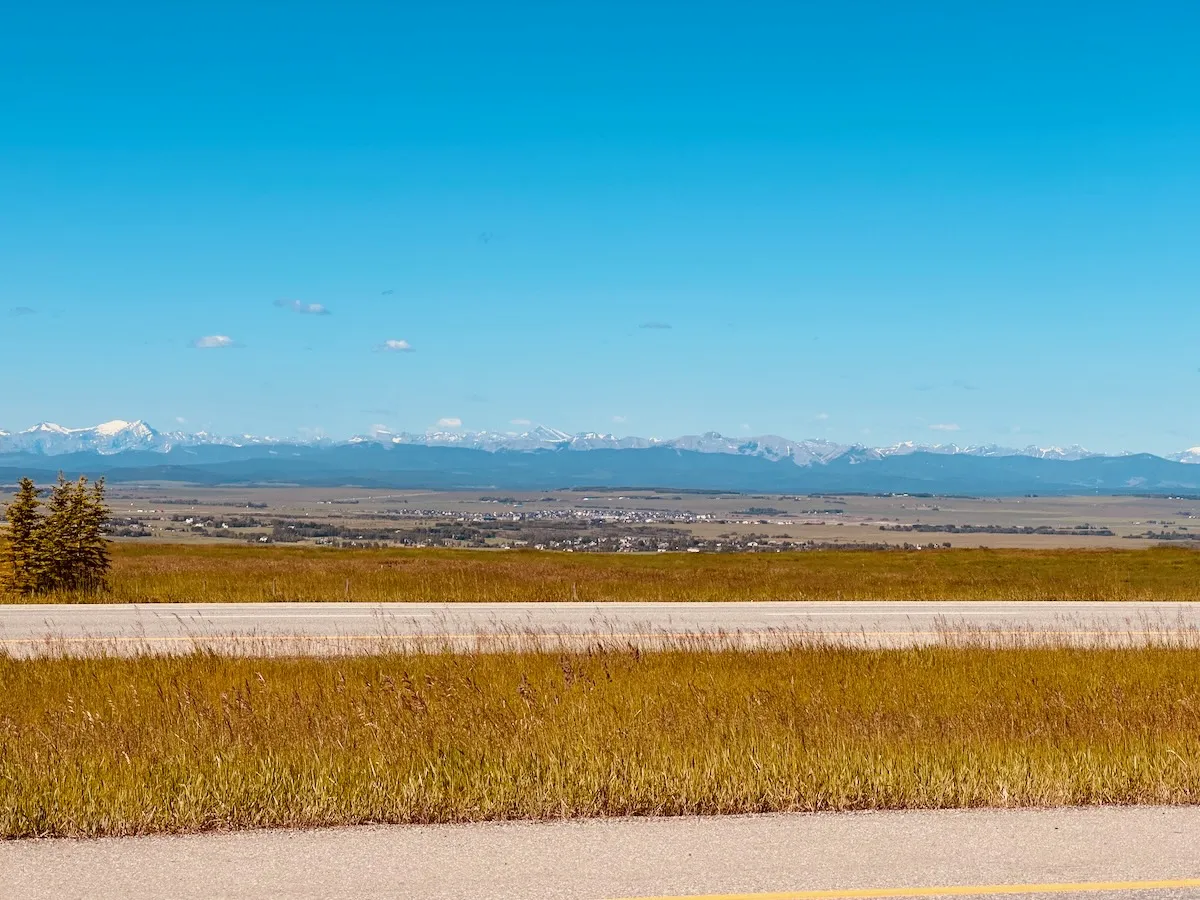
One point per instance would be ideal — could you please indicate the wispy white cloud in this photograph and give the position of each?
(822, 417)
(944, 427)
(213, 342)
(308, 309)
(450, 422)
(394, 346)
(620, 420)
(520, 422)
(181, 420)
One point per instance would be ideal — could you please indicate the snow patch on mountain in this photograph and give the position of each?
(1191, 455)
(117, 426)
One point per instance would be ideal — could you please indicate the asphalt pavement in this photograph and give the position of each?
(329, 627)
(1112, 852)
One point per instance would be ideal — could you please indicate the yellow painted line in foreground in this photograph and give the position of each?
(981, 890)
(428, 636)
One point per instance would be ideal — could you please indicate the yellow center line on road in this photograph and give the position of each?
(570, 634)
(982, 890)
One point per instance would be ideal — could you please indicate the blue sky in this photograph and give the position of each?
(865, 222)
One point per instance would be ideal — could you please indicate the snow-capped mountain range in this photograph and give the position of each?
(120, 436)
(108, 438)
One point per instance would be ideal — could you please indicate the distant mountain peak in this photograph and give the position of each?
(541, 432)
(110, 437)
(46, 428)
(116, 426)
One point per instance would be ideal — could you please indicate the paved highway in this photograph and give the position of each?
(1110, 852)
(327, 627)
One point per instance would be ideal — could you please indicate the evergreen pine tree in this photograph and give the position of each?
(55, 539)
(73, 566)
(93, 545)
(24, 536)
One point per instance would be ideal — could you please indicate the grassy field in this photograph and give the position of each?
(173, 572)
(106, 746)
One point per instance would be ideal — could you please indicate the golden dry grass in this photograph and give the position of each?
(172, 572)
(105, 746)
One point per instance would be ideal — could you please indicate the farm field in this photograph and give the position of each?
(145, 572)
(114, 746)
